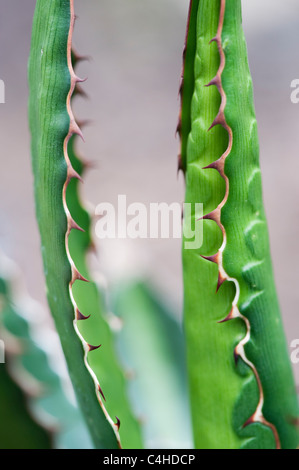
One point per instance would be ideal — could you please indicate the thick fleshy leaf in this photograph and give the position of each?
(241, 383)
(75, 304)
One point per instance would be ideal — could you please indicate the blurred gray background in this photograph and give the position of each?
(133, 76)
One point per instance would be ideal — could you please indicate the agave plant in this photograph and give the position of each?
(241, 385)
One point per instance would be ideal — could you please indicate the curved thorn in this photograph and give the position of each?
(214, 81)
(93, 348)
(221, 280)
(117, 424)
(236, 356)
(101, 392)
(216, 165)
(77, 276)
(75, 129)
(74, 225)
(249, 421)
(213, 258)
(215, 215)
(232, 314)
(71, 173)
(80, 316)
(219, 120)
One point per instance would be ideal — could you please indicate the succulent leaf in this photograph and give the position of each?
(241, 382)
(64, 226)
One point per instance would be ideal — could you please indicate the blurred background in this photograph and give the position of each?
(135, 49)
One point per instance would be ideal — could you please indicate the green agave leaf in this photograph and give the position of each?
(64, 225)
(241, 383)
(151, 345)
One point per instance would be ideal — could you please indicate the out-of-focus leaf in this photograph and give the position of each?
(151, 346)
